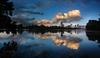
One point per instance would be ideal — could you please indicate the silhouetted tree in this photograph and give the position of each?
(6, 10)
(10, 8)
(6, 7)
(93, 25)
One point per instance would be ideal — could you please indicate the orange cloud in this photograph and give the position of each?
(71, 15)
(44, 22)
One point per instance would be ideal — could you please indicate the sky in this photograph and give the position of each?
(29, 10)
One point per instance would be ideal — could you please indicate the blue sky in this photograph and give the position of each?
(47, 9)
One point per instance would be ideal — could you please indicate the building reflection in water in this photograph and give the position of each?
(60, 40)
(75, 32)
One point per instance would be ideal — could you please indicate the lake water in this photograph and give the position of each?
(67, 44)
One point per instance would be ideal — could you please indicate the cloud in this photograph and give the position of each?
(72, 15)
(42, 4)
(81, 2)
(29, 10)
(32, 12)
(26, 18)
(23, 18)
(43, 22)
(33, 7)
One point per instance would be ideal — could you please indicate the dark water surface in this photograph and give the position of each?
(70, 44)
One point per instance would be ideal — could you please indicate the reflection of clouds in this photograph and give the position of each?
(4, 34)
(22, 39)
(73, 45)
(28, 39)
(68, 41)
(44, 36)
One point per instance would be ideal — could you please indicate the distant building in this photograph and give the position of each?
(62, 25)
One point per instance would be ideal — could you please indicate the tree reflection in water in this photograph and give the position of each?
(50, 45)
(94, 36)
(8, 50)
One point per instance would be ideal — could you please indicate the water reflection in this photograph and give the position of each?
(62, 44)
(67, 41)
(10, 32)
(94, 36)
(8, 49)
(70, 43)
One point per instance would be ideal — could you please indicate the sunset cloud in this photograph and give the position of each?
(73, 15)
(69, 16)
(43, 22)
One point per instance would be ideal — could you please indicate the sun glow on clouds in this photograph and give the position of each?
(44, 22)
(67, 16)
(72, 15)
(70, 42)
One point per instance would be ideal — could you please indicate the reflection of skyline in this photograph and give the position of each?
(67, 39)
(16, 32)
(56, 38)
(56, 45)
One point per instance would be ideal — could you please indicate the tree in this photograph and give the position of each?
(6, 7)
(6, 10)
